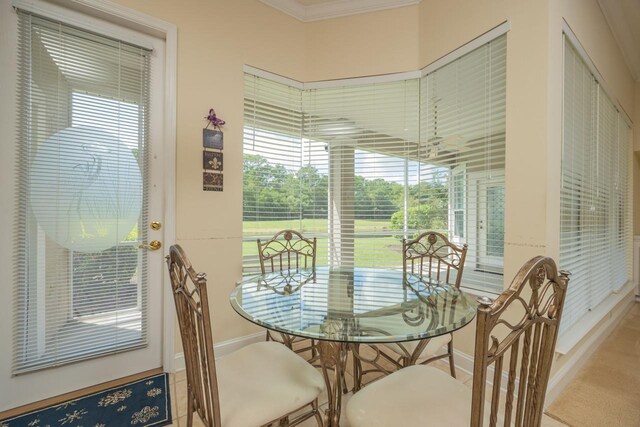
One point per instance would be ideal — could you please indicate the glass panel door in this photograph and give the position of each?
(490, 226)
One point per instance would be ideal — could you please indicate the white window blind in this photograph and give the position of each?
(365, 165)
(83, 127)
(279, 192)
(595, 227)
(371, 133)
(462, 134)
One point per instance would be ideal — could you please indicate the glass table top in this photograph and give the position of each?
(352, 304)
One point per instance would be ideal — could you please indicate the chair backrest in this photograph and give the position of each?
(431, 254)
(518, 332)
(192, 306)
(287, 250)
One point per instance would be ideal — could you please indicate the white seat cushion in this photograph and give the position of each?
(414, 396)
(262, 382)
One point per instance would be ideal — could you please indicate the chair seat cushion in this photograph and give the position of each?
(413, 396)
(262, 382)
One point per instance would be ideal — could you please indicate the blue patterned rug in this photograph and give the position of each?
(141, 403)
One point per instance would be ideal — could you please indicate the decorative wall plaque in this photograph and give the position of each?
(212, 138)
(212, 160)
(212, 181)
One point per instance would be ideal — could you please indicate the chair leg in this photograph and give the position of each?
(317, 413)
(405, 361)
(452, 365)
(287, 340)
(357, 368)
(190, 408)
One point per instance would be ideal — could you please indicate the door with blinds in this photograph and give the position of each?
(88, 288)
(490, 224)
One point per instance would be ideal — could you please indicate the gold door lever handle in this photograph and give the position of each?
(153, 245)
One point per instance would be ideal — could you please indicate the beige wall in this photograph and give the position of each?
(363, 45)
(217, 38)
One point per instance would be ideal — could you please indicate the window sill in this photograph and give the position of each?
(572, 336)
(478, 293)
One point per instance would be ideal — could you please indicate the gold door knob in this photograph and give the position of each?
(153, 245)
(155, 225)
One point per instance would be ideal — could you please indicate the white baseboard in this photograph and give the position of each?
(463, 362)
(178, 363)
(570, 369)
(224, 348)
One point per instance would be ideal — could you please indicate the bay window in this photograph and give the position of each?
(362, 163)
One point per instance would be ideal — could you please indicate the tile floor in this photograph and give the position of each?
(606, 391)
(179, 387)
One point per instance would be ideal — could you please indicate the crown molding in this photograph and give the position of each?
(290, 7)
(334, 9)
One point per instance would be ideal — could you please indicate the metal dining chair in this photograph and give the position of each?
(257, 385)
(288, 250)
(430, 256)
(515, 336)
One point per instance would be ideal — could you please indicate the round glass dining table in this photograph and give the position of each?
(342, 307)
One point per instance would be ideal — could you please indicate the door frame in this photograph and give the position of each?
(128, 19)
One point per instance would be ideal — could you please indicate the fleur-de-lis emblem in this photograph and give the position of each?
(215, 163)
